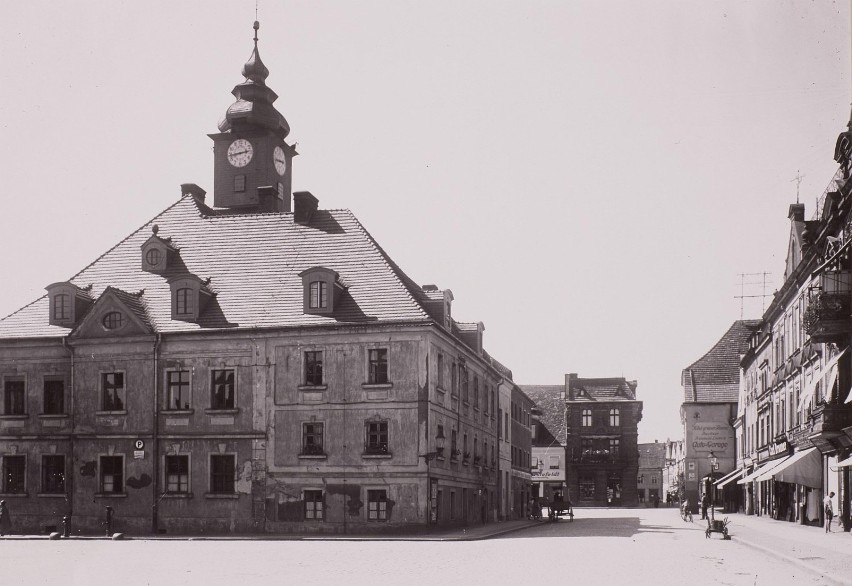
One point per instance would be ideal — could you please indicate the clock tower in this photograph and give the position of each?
(252, 162)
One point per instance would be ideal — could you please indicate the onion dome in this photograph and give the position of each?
(253, 107)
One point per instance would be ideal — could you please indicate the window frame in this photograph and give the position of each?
(167, 483)
(185, 302)
(48, 405)
(318, 294)
(45, 470)
(313, 363)
(375, 374)
(104, 389)
(180, 385)
(313, 509)
(586, 418)
(615, 417)
(222, 406)
(378, 446)
(102, 472)
(230, 481)
(380, 513)
(20, 486)
(15, 400)
(311, 430)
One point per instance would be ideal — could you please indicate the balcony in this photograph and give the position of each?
(597, 456)
(827, 318)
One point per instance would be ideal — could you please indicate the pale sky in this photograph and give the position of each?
(589, 178)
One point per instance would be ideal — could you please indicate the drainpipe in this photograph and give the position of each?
(69, 471)
(155, 444)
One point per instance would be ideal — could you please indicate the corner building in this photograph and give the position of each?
(247, 367)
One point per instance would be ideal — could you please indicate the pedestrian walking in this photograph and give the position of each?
(5, 520)
(829, 511)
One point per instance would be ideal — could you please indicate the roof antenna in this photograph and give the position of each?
(798, 179)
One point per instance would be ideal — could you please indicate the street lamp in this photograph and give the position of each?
(714, 462)
(431, 487)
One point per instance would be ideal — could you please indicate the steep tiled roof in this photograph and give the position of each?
(134, 302)
(549, 402)
(652, 455)
(253, 263)
(603, 389)
(715, 377)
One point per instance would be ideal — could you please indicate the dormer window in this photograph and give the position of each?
(322, 290)
(68, 303)
(190, 296)
(113, 320)
(319, 295)
(157, 253)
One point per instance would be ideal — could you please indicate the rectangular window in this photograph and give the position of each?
(587, 487)
(177, 474)
(54, 396)
(476, 393)
(454, 444)
(184, 301)
(586, 444)
(464, 384)
(587, 418)
(223, 389)
(313, 505)
(178, 389)
(440, 371)
(222, 470)
(239, 183)
(554, 462)
(378, 374)
(614, 445)
(113, 391)
(614, 418)
(318, 295)
(280, 190)
(14, 396)
(313, 368)
(312, 439)
(14, 474)
(377, 505)
(53, 474)
(377, 437)
(112, 474)
(62, 307)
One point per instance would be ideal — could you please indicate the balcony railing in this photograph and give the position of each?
(827, 317)
(597, 457)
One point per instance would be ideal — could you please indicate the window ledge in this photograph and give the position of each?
(12, 495)
(177, 495)
(313, 456)
(110, 413)
(176, 412)
(221, 495)
(14, 417)
(212, 411)
(376, 385)
(54, 495)
(312, 387)
(111, 495)
(53, 416)
(386, 456)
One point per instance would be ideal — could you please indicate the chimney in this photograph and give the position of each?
(267, 199)
(193, 190)
(304, 206)
(570, 382)
(797, 212)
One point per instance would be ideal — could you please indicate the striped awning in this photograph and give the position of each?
(728, 478)
(762, 470)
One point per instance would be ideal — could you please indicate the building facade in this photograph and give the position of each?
(650, 487)
(709, 408)
(243, 367)
(549, 470)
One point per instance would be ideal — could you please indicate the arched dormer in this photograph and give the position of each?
(157, 253)
(68, 303)
(322, 289)
(190, 295)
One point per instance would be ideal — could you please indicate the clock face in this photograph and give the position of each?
(280, 160)
(240, 152)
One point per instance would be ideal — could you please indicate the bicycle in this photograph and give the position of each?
(685, 513)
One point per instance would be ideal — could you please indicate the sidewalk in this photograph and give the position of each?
(469, 533)
(811, 548)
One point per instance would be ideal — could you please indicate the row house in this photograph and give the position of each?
(254, 365)
(649, 486)
(794, 427)
(549, 435)
(710, 390)
(673, 471)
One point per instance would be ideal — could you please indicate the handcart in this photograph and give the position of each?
(714, 526)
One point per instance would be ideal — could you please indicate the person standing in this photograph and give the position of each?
(5, 520)
(705, 502)
(829, 511)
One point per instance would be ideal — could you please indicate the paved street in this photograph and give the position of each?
(601, 546)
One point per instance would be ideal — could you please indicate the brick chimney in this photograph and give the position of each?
(570, 383)
(797, 212)
(304, 206)
(192, 189)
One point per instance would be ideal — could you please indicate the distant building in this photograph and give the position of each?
(709, 408)
(673, 472)
(652, 461)
(601, 419)
(549, 436)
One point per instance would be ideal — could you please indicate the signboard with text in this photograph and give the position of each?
(547, 475)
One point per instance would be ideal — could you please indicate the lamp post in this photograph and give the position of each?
(714, 462)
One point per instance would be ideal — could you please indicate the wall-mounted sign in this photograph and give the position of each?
(547, 475)
(139, 454)
(139, 445)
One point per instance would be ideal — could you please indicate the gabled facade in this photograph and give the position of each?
(709, 409)
(247, 368)
(549, 440)
(650, 486)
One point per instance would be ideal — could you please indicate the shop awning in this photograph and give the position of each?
(846, 462)
(803, 468)
(728, 478)
(762, 470)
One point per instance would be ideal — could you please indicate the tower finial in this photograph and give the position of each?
(256, 26)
